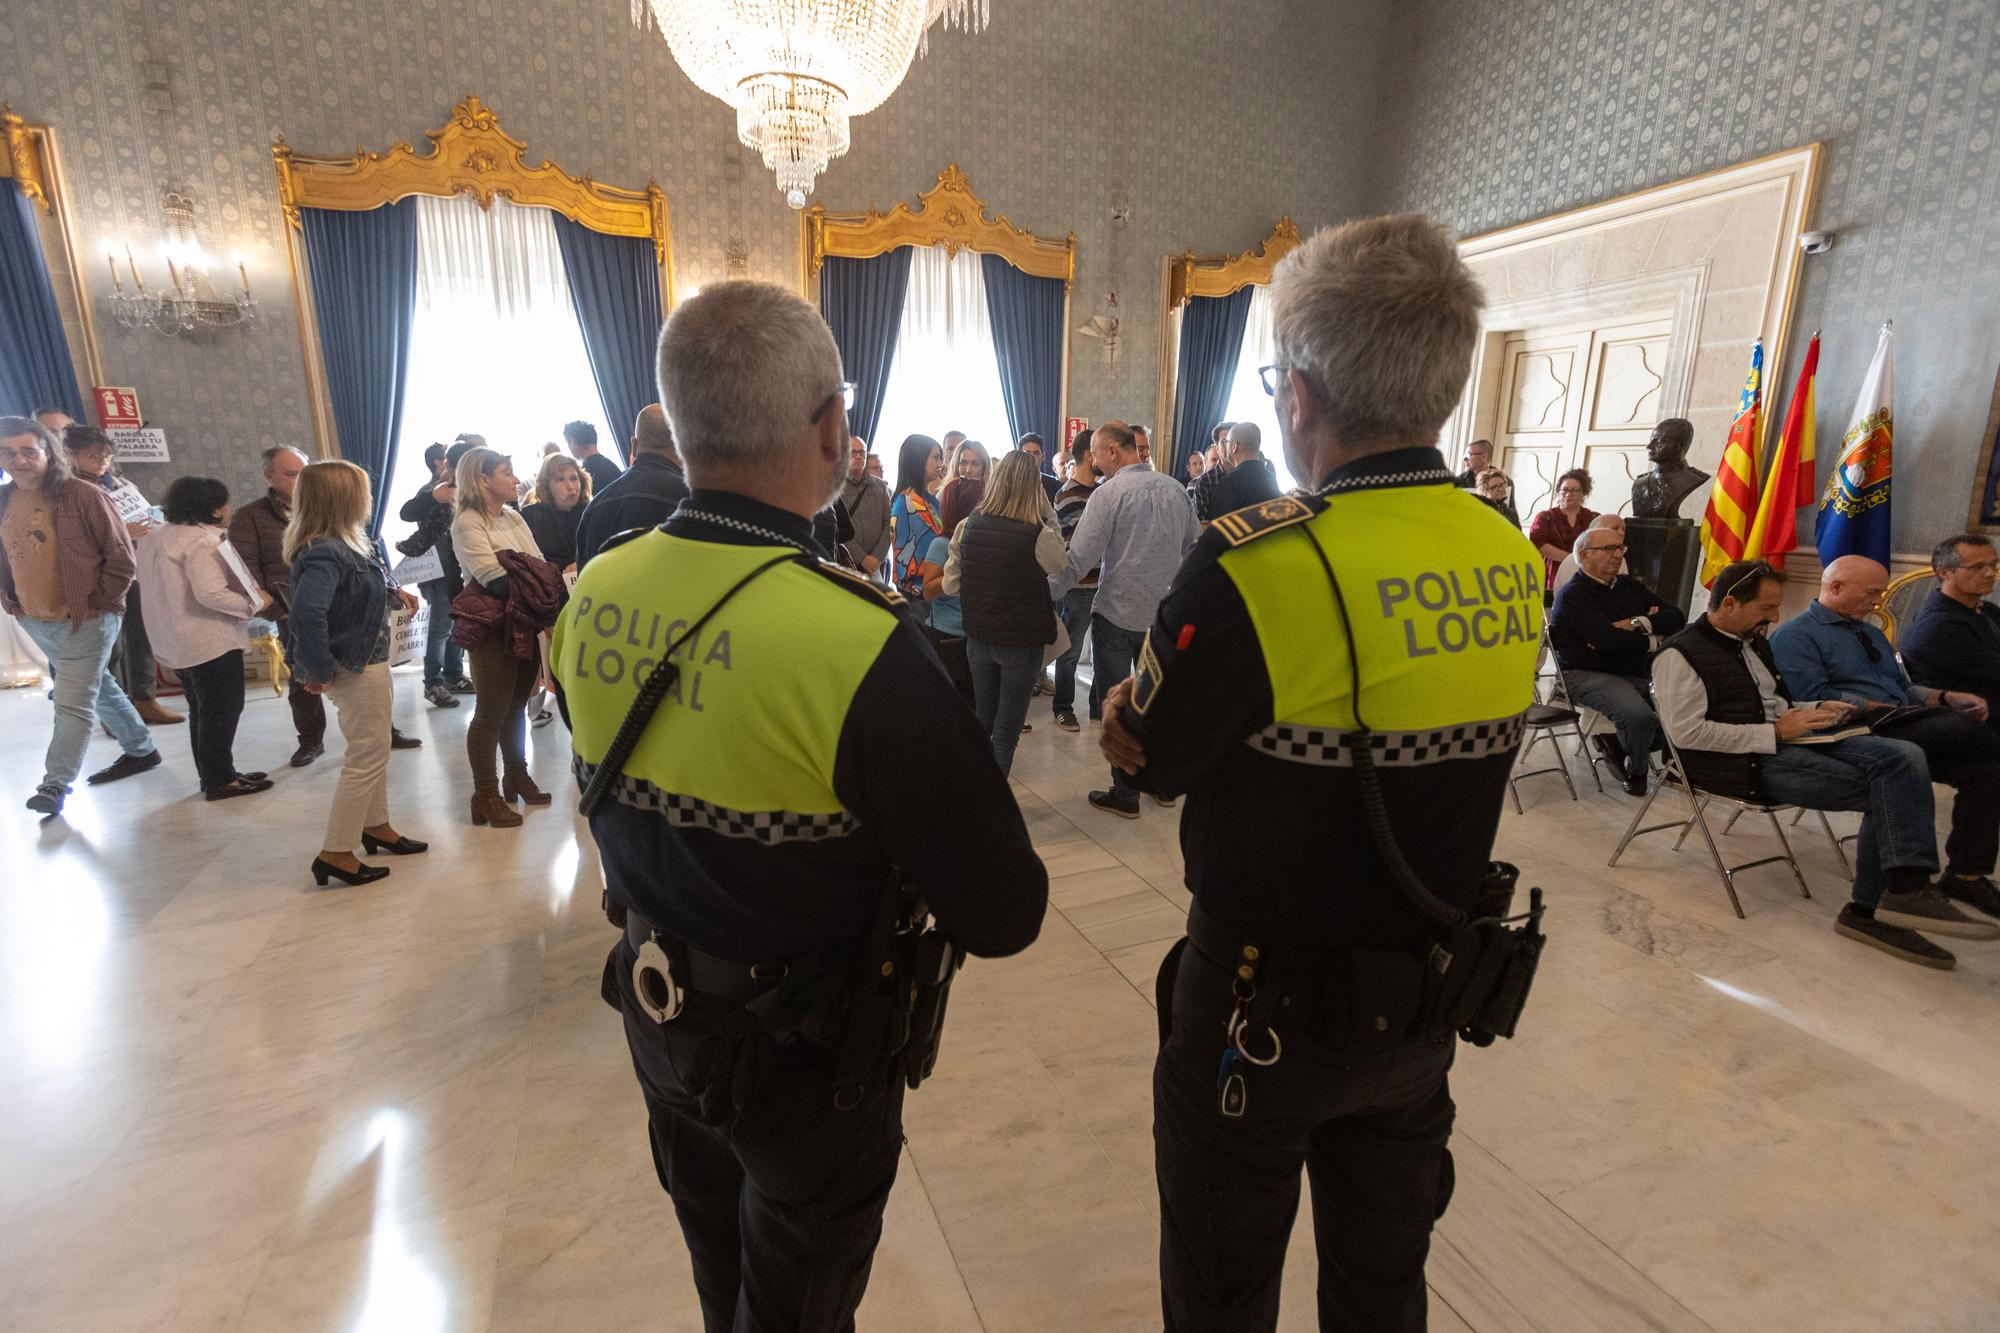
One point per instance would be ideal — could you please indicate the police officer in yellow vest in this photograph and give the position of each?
(1313, 1004)
(807, 757)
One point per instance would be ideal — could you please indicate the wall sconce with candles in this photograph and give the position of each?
(190, 304)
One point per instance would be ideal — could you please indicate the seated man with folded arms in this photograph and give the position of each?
(1733, 720)
(1953, 643)
(1831, 652)
(1604, 628)
(1612, 522)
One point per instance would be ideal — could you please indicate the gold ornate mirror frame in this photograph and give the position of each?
(949, 215)
(1190, 275)
(31, 161)
(469, 154)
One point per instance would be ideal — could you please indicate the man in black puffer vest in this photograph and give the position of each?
(1604, 628)
(1739, 733)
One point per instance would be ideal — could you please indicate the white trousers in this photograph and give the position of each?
(361, 701)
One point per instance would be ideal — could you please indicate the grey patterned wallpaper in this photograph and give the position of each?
(1506, 110)
(1191, 113)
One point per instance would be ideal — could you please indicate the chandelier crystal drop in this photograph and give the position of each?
(797, 70)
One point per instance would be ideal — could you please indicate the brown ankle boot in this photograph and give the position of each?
(489, 808)
(521, 785)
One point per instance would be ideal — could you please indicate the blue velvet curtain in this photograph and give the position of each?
(35, 369)
(1211, 341)
(862, 302)
(1027, 315)
(614, 283)
(363, 268)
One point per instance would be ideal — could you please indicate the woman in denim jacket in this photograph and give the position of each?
(340, 648)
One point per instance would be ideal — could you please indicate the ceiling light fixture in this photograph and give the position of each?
(797, 70)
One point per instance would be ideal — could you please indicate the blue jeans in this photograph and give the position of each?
(443, 659)
(1003, 680)
(85, 692)
(1887, 781)
(1074, 608)
(1117, 651)
(1627, 704)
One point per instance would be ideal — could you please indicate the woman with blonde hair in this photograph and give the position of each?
(1000, 562)
(969, 462)
(485, 525)
(342, 597)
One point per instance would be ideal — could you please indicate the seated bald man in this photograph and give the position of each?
(1605, 628)
(1832, 652)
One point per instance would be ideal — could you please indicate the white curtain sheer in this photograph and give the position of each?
(1247, 399)
(946, 375)
(495, 348)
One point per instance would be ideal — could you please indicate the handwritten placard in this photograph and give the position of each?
(132, 507)
(414, 569)
(408, 633)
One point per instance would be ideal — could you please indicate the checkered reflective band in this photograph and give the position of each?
(769, 827)
(1325, 747)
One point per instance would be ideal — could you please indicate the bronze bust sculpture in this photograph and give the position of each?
(1659, 492)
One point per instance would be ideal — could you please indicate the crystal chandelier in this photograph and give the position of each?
(191, 304)
(797, 70)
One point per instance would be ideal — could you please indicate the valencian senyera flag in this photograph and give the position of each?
(1732, 503)
(1854, 514)
(1791, 483)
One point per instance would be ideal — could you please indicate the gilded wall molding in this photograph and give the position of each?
(948, 215)
(26, 159)
(1191, 275)
(469, 154)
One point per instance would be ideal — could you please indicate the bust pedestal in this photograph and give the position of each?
(1664, 554)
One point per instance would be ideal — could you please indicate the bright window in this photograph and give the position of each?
(495, 348)
(1247, 399)
(946, 375)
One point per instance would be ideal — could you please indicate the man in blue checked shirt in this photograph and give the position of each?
(1831, 652)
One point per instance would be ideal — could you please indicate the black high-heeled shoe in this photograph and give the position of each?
(324, 870)
(402, 846)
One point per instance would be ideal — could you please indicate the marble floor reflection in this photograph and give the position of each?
(229, 1101)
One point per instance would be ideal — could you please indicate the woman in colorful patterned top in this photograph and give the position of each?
(913, 516)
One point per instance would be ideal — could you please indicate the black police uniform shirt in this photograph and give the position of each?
(909, 787)
(1279, 846)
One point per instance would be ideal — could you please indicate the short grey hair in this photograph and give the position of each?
(742, 368)
(1945, 556)
(1246, 434)
(1380, 316)
(1582, 542)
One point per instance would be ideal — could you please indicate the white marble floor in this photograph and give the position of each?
(231, 1101)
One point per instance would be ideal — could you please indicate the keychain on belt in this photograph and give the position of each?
(1229, 1080)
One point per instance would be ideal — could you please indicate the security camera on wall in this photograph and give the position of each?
(1815, 242)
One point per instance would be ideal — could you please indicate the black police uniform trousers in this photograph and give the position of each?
(779, 1194)
(1369, 1130)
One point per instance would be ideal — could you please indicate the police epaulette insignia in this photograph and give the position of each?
(1253, 521)
(860, 583)
(620, 538)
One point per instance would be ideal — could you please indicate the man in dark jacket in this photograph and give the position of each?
(257, 531)
(1604, 629)
(640, 497)
(1251, 478)
(1954, 641)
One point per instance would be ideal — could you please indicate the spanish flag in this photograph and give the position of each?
(1732, 504)
(1792, 479)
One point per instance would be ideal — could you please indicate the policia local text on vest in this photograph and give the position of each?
(1309, 1017)
(782, 799)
